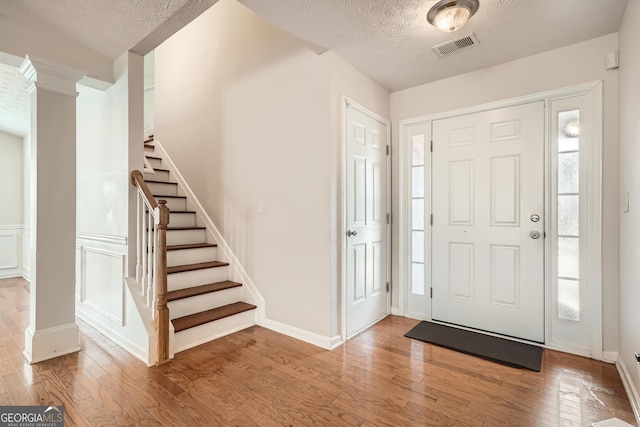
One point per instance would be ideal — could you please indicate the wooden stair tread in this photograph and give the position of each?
(152, 156)
(191, 246)
(157, 196)
(201, 290)
(160, 182)
(197, 319)
(161, 170)
(186, 228)
(146, 145)
(197, 266)
(149, 140)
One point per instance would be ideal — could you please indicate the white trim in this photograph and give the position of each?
(629, 387)
(242, 275)
(52, 342)
(346, 103)
(103, 238)
(51, 76)
(301, 334)
(335, 342)
(609, 356)
(11, 227)
(594, 90)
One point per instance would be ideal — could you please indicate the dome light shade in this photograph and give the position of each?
(451, 15)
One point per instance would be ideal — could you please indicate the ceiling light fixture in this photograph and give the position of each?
(451, 15)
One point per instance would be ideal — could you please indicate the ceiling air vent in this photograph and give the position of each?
(464, 42)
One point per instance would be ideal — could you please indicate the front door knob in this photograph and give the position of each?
(534, 234)
(351, 233)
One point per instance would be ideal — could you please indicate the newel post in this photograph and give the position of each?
(162, 312)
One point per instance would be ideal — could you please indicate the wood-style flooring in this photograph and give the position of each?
(257, 377)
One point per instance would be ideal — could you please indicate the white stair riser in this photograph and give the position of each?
(174, 204)
(149, 150)
(155, 163)
(185, 237)
(182, 219)
(191, 256)
(187, 306)
(162, 188)
(209, 331)
(158, 176)
(188, 279)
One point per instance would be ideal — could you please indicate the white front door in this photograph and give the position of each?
(366, 220)
(488, 221)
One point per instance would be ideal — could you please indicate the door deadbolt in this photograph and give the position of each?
(535, 218)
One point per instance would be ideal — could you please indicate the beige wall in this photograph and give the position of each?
(630, 182)
(242, 110)
(579, 63)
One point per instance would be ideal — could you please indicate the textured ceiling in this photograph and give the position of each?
(14, 101)
(390, 40)
(114, 26)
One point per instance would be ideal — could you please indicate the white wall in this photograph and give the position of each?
(11, 207)
(579, 63)
(630, 182)
(109, 145)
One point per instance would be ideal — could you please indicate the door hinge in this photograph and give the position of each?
(388, 218)
(431, 147)
(430, 292)
(388, 287)
(431, 219)
(388, 149)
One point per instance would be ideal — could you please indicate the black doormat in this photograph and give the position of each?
(496, 349)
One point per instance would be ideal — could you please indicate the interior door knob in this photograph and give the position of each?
(351, 233)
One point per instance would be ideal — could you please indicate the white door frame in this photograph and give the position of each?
(346, 103)
(594, 90)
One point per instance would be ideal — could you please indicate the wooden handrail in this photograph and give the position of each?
(160, 213)
(137, 180)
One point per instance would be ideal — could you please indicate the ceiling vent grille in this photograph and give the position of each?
(461, 43)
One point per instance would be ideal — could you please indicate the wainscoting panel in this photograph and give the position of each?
(10, 251)
(102, 282)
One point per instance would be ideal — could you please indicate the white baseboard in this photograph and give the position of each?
(90, 316)
(609, 356)
(297, 333)
(335, 342)
(630, 388)
(53, 342)
(9, 274)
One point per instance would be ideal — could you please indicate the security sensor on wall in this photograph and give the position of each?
(612, 60)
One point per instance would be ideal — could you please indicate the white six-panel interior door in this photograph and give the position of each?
(488, 221)
(366, 231)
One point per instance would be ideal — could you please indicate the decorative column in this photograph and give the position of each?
(52, 329)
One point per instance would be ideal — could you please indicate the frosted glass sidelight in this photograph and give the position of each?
(566, 122)
(417, 246)
(417, 153)
(568, 168)
(569, 257)
(417, 214)
(568, 215)
(569, 300)
(417, 181)
(417, 279)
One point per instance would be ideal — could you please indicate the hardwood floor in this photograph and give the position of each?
(261, 378)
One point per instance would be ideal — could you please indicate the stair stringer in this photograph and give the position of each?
(237, 272)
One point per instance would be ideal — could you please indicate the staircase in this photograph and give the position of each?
(203, 303)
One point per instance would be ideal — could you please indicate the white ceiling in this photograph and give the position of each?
(388, 40)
